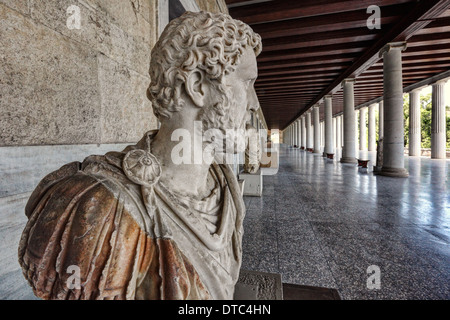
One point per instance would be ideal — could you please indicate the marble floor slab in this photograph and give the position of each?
(322, 223)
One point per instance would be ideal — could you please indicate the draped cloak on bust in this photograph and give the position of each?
(130, 236)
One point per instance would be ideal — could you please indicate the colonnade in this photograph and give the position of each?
(341, 131)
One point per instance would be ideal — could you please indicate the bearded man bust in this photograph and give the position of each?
(136, 224)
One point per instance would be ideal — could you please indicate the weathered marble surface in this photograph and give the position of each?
(21, 168)
(53, 78)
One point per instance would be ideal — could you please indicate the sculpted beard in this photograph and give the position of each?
(228, 135)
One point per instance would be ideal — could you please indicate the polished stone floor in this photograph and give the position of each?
(323, 223)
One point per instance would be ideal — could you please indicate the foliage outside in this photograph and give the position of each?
(425, 115)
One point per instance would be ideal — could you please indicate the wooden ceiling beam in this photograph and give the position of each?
(298, 77)
(328, 22)
(317, 51)
(321, 68)
(413, 21)
(320, 39)
(284, 9)
(311, 61)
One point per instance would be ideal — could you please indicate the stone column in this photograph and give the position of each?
(329, 137)
(348, 151)
(357, 131)
(372, 129)
(303, 129)
(309, 144)
(322, 135)
(438, 122)
(296, 133)
(316, 129)
(290, 135)
(299, 133)
(293, 135)
(334, 134)
(415, 124)
(338, 133)
(380, 120)
(393, 146)
(362, 129)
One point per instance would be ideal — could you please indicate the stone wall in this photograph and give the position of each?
(75, 86)
(66, 93)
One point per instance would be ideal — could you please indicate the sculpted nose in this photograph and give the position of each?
(253, 102)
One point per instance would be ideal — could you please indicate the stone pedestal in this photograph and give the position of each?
(253, 183)
(254, 285)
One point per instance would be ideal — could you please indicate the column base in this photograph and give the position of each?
(349, 160)
(393, 172)
(316, 151)
(376, 169)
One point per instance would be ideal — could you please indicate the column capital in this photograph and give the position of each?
(348, 80)
(417, 90)
(328, 96)
(402, 45)
(441, 82)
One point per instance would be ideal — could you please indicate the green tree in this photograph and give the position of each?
(425, 113)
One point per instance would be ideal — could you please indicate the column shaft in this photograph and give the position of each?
(309, 144)
(303, 127)
(338, 133)
(393, 146)
(372, 129)
(348, 151)
(362, 129)
(316, 129)
(438, 122)
(380, 120)
(329, 137)
(415, 125)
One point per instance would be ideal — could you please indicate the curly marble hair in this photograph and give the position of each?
(203, 41)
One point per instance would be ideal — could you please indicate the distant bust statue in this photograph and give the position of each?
(135, 224)
(252, 150)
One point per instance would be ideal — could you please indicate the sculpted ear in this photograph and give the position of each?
(195, 88)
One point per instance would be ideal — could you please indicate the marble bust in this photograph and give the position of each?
(136, 224)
